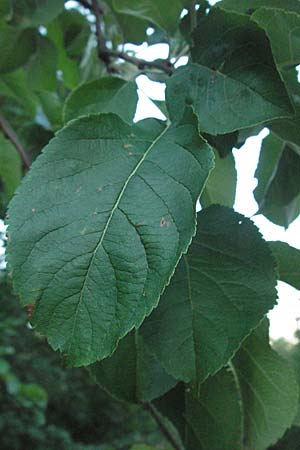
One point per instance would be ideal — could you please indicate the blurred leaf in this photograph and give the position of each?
(103, 96)
(133, 373)
(14, 85)
(270, 393)
(42, 68)
(37, 12)
(10, 166)
(221, 184)
(52, 106)
(16, 46)
(234, 71)
(165, 14)
(288, 260)
(221, 290)
(244, 6)
(5, 9)
(283, 30)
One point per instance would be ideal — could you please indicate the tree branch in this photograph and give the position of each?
(165, 431)
(106, 55)
(12, 136)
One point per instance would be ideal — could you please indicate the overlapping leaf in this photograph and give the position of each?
(95, 243)
(209, 419)
(221, 184)
(233, 82)
(38, 12)
(220, 291)
(283, 30)
(10, 167)
(278, 189)
(42, 68)
(133, 373)
(270, 393)
(288, 261)
(105, 95)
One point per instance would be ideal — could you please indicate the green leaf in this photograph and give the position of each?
(270, 393)
(10, 166)
(165, 14)
(221, 290)
(16, 46)
(103, 96)
(5, 9)
(283, 30)
(221, 184)
(209, 419)
(224, 143)
(38, 12)
(104, 183)
(244, 6)
(42, 69)
(132, 373)
(234, 72)
(52, 107)
(278, 190)
(14, 85)
(288, 260)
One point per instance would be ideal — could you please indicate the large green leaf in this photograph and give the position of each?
(288, 260)
(133, 373)
(38, 12)
(220, 291)
(278, 189)
(270, 393)
(221, 184)
(96, 242)
(233, 83)
(10, 166)
(244, 6)
(16, 46)
(209, 420)
(165, 14)
(105, 95)
(283, 30)
(42, 69)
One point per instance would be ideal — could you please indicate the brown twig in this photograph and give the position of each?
(12, 136)
(106, 55)
(165, 431)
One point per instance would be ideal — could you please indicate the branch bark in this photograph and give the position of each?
(165, 431)
(106, 55)
(12, 136)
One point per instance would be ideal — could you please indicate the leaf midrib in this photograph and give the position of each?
(115, 206)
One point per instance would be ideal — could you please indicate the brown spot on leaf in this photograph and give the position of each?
(164, 222)
(99, 189)
(127, 145)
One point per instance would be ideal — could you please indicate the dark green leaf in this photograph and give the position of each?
(209, 419)
(234, 72)
(220, 291)
(10, 166)
(42, 68)
(221, 184)
(5, 9)
(133, 373)
(38, 12)
(105, 95)
(224, 143)
(283, 30)
(104, 183)
(244, 6)
(288, 260)
(15, 86)
(270, 393)
(278, 189)
(165, 14)
(16, 46)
